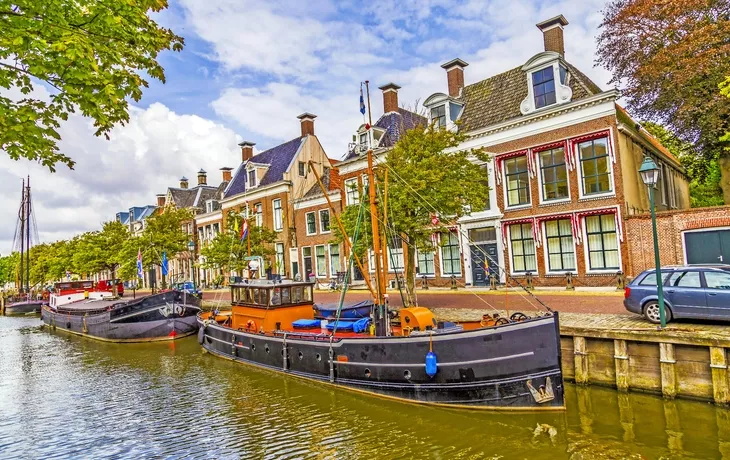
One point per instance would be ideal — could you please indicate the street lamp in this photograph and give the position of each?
(650, 175)
(191, 248)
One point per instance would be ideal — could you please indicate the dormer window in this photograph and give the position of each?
(543, 87)
(363, 141)
(209, 206)
(438, 116)
(252, 178)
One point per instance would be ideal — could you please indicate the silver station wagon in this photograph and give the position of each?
(693, 291)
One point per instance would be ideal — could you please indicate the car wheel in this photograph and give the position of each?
(651, 312)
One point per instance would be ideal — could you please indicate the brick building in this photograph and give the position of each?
(208, 224)
(313, 223)
(564, 174)
(265, 186)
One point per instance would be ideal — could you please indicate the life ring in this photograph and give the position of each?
(201, 335)
(251, 325)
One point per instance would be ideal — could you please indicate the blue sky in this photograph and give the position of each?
(250, 67)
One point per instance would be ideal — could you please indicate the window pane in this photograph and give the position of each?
(717, 280)
(688, 279)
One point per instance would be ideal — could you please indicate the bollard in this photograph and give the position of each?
(492, 282)
(424, 283)
(530, 287)
(569, 282)
(453, 282)
(620, 281)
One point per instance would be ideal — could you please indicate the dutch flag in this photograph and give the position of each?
(244, 230)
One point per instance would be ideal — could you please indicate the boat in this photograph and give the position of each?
(102, 315)
(25, 234)
(510, 362)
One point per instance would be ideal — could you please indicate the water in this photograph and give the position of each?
(63, 396)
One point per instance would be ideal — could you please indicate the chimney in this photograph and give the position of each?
(161, 200)
(226, 174)
(202, 177)
(455, 76)
(246, 150)
(390, 97)
(307, 120)
(552, 34)
(183, 182)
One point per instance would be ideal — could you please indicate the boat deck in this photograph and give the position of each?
(89, 305)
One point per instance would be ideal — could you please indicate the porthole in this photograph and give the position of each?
(367, 373)
(301, 356)
(253, 347)
(267, 348)
(407, 375)
(318, 357)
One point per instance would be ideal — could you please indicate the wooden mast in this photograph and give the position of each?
(381, 322)
(22, 238)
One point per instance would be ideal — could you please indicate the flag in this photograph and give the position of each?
(362, 101)
(164, 263)
(244, 230)
(68, 275)
(139, 263)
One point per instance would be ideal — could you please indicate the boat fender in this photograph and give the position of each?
(431, 364)
(251, 325)
(201, 335)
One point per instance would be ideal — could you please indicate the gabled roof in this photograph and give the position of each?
(123, 217)
(192, 197)
(277, 158)
(394, 124)
(498, 98)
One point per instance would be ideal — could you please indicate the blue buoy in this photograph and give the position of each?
(431, 364)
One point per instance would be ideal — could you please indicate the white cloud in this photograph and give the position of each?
(142, 159)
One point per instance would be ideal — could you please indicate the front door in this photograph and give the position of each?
(294, 257)
(483, 263)
(710, 247)
(718, 293)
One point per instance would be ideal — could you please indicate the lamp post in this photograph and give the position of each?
(649, 175)
(191, 248)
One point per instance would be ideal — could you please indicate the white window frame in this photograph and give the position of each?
(511, 260)
(315, 261)
(333, 272)
(441, 259)
(306, 223)
(259, 214)
(579, 166)
(322, 230)
(389, 254)
(278, 215)
(546, 253)
(349, 189)
(251, 183)
(505, 189)
(280, 262)
(586, 251)
(446, 115)
(538, 160)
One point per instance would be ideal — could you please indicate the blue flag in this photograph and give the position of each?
(139, 263)
(362, 101)
(164, 263)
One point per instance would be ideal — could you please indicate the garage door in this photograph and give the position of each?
(710, 247)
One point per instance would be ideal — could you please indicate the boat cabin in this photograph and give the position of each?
(72, 287)
(266, 306)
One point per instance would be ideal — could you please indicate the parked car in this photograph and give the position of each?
(691, 291)
(188, 287)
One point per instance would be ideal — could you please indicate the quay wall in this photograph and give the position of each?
(661, 362)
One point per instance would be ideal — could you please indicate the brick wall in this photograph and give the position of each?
(670, 225)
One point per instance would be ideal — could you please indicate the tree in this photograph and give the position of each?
(163, 232)
(8, 268)
(669, 57)
(101, 250)
(427, 177)
(91, 53)
(704, 188)
(227, 252)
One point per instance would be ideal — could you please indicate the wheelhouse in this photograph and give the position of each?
(267, 306)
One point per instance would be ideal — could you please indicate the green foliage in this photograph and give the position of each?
(725, 91)
(163, 232)
(704, 186)
(92, 53)
(8, 268)
(101, 250)
(427, 176)
(227, 252)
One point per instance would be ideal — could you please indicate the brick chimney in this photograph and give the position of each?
(307, 121)
(202, 177)
(455, 76)
(161, 200)
(246, 150)
(226, 174)
(390, 97)
(552, 33)
(183, 182)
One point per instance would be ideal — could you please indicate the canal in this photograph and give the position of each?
(63, 396)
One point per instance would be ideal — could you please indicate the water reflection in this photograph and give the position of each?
(65, 396)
